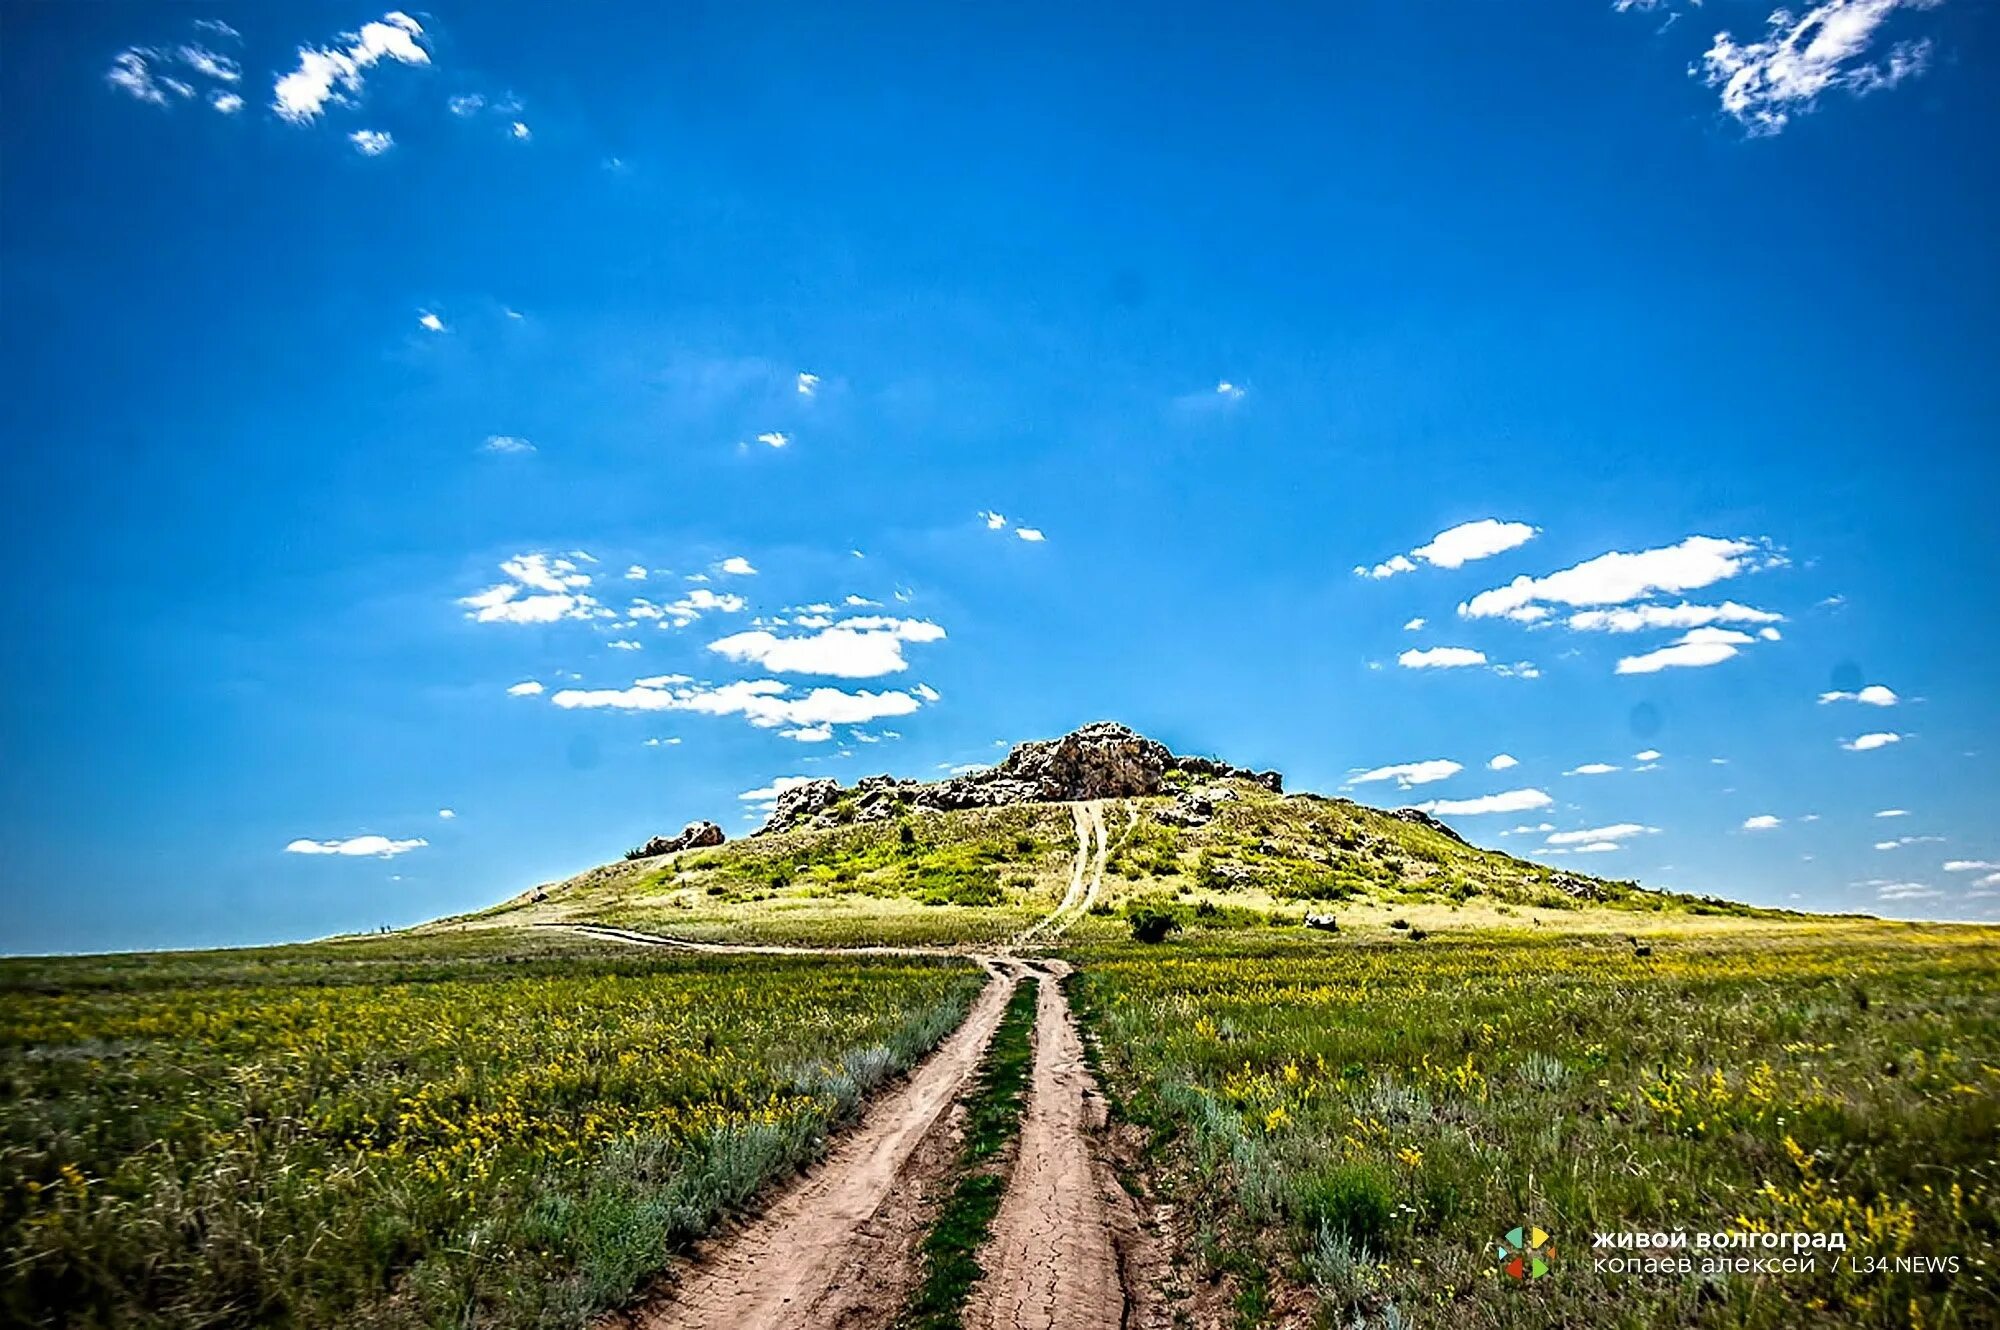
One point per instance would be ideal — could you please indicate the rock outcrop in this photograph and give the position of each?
(695, 835)
(1103, 760)
(1418, 817)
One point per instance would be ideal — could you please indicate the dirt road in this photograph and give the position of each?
(1086, 874)
(837, 1248)
(1054, 1261)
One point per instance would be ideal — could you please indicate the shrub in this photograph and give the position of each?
(1152, 925)
(1352, 1201)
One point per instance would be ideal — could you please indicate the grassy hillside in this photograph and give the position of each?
(980, 875)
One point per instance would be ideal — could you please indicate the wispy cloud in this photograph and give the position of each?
(808, 384)
(1764, 83)
(380, 847)
(1456, 547)
(1440, 658)
(1510, 801)
(539, 589)
(506, 443)
(765, 703)
(1636, 618)
(1406, 774)
(1617, 831)
(334, 74)
(1693, 650)
(1620, 577)
(371, 142)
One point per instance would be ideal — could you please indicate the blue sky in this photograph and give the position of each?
(341, 347)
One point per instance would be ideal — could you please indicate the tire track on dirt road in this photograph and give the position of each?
(1067, 1250)
(836, 1247)
(1086, 872)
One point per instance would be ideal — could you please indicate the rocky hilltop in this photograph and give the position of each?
(1103, 760)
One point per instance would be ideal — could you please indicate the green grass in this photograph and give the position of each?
(501, 1129)
(1363, 1115)
(992, 1122)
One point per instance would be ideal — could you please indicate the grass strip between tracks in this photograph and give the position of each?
(993, 1120)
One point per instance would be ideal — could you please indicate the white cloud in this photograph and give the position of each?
(207, 63)
(1649, 755)
(638, 572)
(506, 443)
(1440, 658)
(765, 703)
(371, 142)
(688, 608)
(1619, 577)
(1229, 390)
(525, 688)
(1879, 739)
(228, 103)
(430, 321)
(302, 94)
(1501, 761)
(1512, 801)
(1969, 865)
(1905, 891)
(808, 734)
(380, 847)
(1029, 533)
(1458, 546)
(131, 74)
(775, 438)
(854, 649)
(1874, 695)
(447, 813)
(1694, 650)
(1591, 769)
(1406, 774)
(1596, 847)
(808, 384)
(768, 794)
(738, 566)
(556, 582)
(1764, 83)
(520, 131)
(1761, 822)
(469, 104)
(1635, 618)
(994, 521)
(1414, 625)
(1894, 812)
(1617, 831)
(626, 644)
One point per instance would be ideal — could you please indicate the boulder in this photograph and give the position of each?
(695, 835)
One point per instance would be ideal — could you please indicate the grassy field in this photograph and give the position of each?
(487, 1128)
(1366, 1114)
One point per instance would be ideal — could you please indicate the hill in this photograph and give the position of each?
(1100, 822)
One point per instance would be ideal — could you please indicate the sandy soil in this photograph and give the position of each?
(1066, 1251)
(837, 1246)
